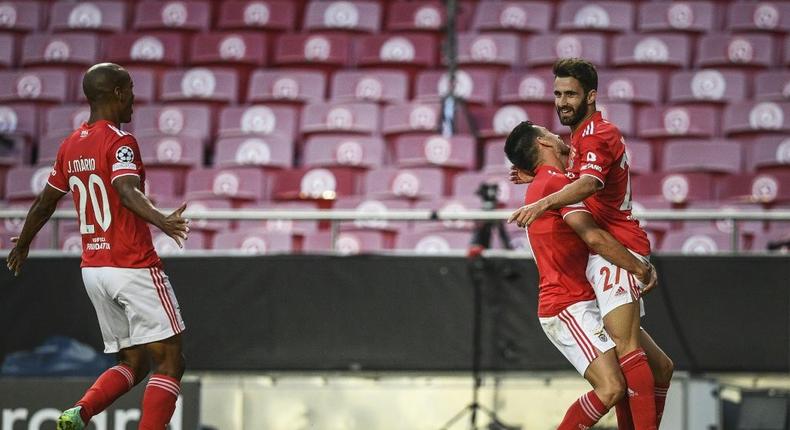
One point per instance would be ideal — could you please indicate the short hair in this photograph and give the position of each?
(579, 69)
(101, 80)
(520, 147)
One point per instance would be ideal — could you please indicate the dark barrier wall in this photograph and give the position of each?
(409, 313)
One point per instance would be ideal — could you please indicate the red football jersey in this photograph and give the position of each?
(598, 150)
(561, 256)
(87, 163)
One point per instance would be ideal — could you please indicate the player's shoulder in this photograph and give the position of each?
(602, 129)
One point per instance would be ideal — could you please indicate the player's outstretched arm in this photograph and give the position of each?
(132, 198)
(570, 194)
(43, 207)
(604, 244)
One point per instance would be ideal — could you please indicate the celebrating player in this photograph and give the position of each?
(598, 166)
(137, 309)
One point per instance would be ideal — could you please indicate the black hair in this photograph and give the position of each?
(579, 69)
(100, 82)
(521, 148)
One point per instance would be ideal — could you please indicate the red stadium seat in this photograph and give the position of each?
(772, 85)
(284, 85)
(360, 118)
(155, 49)
(15, 151)
(456, 152)
(104, 16)
(715, 156)
(474, 86)
(449, 205)
(641, 204)
(60, 50)
(709, 85)
(697, 241)
(356, 16)
(165, 245)
(434, 243)
(651, 50)
(194, 15)
(19, 120)
(640, 156)
(315, 184)
(769, 152)
(522, 16)
(763, 16)
(28, 85)
(347, 242)
(761, 241)
(254, 242)
(689, 17)
(495, 121)
(427, 16)
(144, 85)
(543, 50)
(231, 184)
(313, 50)
(677, 188)
(508, 194)
(7, 51)
(526, 87)
(247, 49)
(787, 51)
(269, 15)
(22, 16)
(172, 151)
(349, 151)
(200, 84)
(48, 149)
(408, 51)
(620, 114)
(26, 182)
(254, 151)
(494, 159)
(367, 205)
(596, 16)
(744, 50)
(757, 117)
(640, 86)
(172, 120)
(419, 183)
(489, 50)
(161, 185)
(380, 86)
(689, 121)
(745, 228)
(61, 121)
(410, 118)
(258, 120)
(204, 225)
(764, 188)
(280, 226)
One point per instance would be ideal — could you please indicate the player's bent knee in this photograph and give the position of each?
(611, 391)
(663, 374)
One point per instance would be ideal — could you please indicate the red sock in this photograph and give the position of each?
(110, 385)
(661, 399)
(159, 402)
(641, 396)
(583, 413)
(623, 411)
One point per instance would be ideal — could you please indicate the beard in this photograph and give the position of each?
(576, 115)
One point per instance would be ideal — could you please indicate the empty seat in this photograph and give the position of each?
(489, 49)
(743, 50)
(545, 49)
(620, 114)
(752, 117)
(456, 152)
(522, 16)
(156, 49)
(764, 188)
(61, 121)
(269, 15)
(7, 50)
(254, 242)
(19, 120)
(172, 120)
(417, 183)
(767, 242)
(60, 49)
(284, 85)
(194, 15)
(715, 156)
(640, 86)
(408, 51)
(745, 228)
(368, 205)
(640, 156)
(410, 118)
(390, 86)
(434, 243)
(768, 152)
(172, 151)
(207, 203)
(315, 183)
(526, 87)
(51, 86)
(109, 16)
(161, 185)
(165, 245)
(232, 184)
(48, 147)
(508, 194)
(21, 16)
(763, 16)
(200, 84)
(229, 48)
(494, 158)
(691, 16)
(662, 121)
(448, 206)
(26, 182)
(772, 85)
(356, 15)
(677, 188)
(641, 204)
(650, 50)
(144, 85)
(596, 16)
(347, 242)
(427, 16)
(340, 118)
(254, 151)
(324, 50)
(280, 226)
(350, 151)
(709, 85)
(698, 241)
(493, 121)
(474, 86)
(15, 150)
(258, 120)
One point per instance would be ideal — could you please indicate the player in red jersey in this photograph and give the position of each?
(567, 306)
(137, 309)
(598, 166)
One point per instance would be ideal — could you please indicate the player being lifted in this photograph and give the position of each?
(137, 309)
(598, 167)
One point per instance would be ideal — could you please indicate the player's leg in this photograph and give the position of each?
(608, 389)
(662, 367)
(161, 393)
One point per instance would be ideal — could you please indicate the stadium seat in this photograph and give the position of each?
(286, 85)
(508, 194)
(161, 185)
(152, 49)
(689, 17)
(200, 84)
(448, 205)
(172, 120)
(61, 121)
(222, 49)
(745, 228)
(640, 156)
(269, 15)
(697, 241)
(494, 159)
(630, 86)
(759, 17)
(714, 156)
(787, 51)
(24, 183)
(683, 120)
(544, 49)
(763, 188)
(708, 85)
(144, 79)
(347, 16)
(204, 204)
(172, 151)
(31, 85)
(47, 149)
(743, 50)
(15, 151)
(165, 245)
(315, 184)
(70, 49)
(757, 117)
(152, 15)
(254, 242)
(280, 226)
(347, 242)
(101, 16)
(360, 118)
(410, 51)
(620, 114)
(641, 204)
(254, 151)
(651, 50)
(427, 16)
(490, 49)
(22, 16)
(522, 16)
(456, 152)
(19, 120)
(378, 86)
(411, 118)
(418, 183)
(349, 151)
(313, 50)
(676, 188)
(434, 243)
(769, 153)
(367, 205)
(232, 184)
(474, 86)
(495, 121)
(8, 51)
(762, 241)
(772, 85)
(608, 16)
(258, 120)
(526, 87)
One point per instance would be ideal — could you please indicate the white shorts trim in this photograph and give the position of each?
(613, 285)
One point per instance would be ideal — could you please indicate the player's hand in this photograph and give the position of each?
(177, 226)
(518, 176)
(525, 215)
(649, 279)
(17, 256)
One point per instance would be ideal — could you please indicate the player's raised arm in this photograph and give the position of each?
(132, 198)
(40, 212)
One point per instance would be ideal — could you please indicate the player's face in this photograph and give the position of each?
(127, 100)
(570, 101)
(559, 145)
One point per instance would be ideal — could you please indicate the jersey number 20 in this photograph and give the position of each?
(101, 214)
